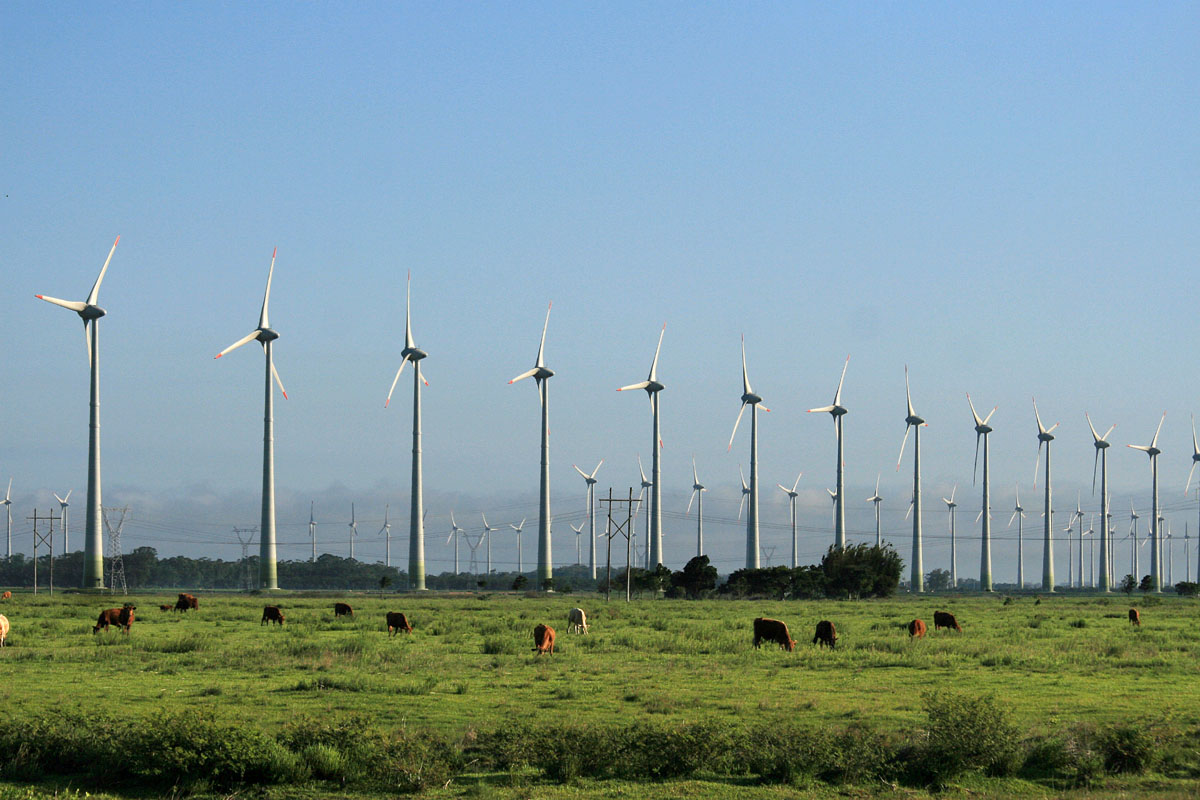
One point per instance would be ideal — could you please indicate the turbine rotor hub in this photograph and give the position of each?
(267, 335)
(92, 312)
(414, 354)
(1045, 437)
(983, 429)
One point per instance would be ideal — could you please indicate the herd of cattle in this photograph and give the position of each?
(765, 629)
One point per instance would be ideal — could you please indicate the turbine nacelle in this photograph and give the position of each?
(267, 335)
(413, 353)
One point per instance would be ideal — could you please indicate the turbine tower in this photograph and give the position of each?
(1045, 437)
(312, 529)
(1101, 459)
(578, 532)
(519, 528)
(1195, 460)
(454, 532)
(950, 506)
(353, 531)
(65, 507)
(541, 375)
(982, 429)
(1133, 558)
(1076, 515)
(8, 513)
(1019, 516)
(646, 484)
(876, 499)
(416, 515)
(792, 495)
(653, 387)
(837, 411)
(1156, 532)
(268, 576)
(912, 422)
(591, 504)
(488, 530)
(90, 313)
(386, 530)
(697, 493)
(749, 398)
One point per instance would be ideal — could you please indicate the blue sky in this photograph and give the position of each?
(1000, 196)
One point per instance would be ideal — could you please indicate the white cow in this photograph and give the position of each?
(3, 629)
(577, 621)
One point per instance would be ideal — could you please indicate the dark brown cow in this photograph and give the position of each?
(122, 617)
(342, 610)
(166, 607)
(186, 602)
(1134, 617)
(271, 614)
(772, 630)
(543, 639)
(826, 634)
(916, 629)
(6, 596)
(396, 622)
(944, 619)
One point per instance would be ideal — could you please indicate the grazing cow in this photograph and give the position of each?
(1134, 617)
(3, 629)
(396, 622)
(6, 596)
(271, 614)
(342, 610)
(916, 629)
(577, 621)
(187, 601)
(166, 607)
(543, 639)
(772, 630)
(122, 617)
(944, 619)
(826, 634)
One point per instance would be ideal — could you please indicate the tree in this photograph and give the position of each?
(696, 579)
(808, 582)
(1128, 584)
(1187, 588)
(384, 582)
(1146, 585)
(519, 583)
(861, 570)
(937, 581)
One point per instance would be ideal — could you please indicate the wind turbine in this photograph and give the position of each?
(312, 529)
(90, 313)
(541, 375)
(1187, 554)
(912, 422)
(578, 531)
(833, 496)
(353, 531)
(745, 492)
(591, 504)
(697, 493)
(982, 429)
(1019, 516)
(416, 515)
(8, 513)
(792, 495)
(1091, 559)
(876, 499)
(1101, 459)
(386, 530)
(65, 506)
(1195, 460)
(749, 398)
(488, 530)
(646, 484)
(519, 528)
(268, 576)
(653, 387)
(454, 532)
(1045, 437)
(1133, 559)
(950, 506)
(1156, 533)
(837, 411)
(1076, 515)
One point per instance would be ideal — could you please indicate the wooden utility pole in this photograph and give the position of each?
(625, 529)
(46, 539)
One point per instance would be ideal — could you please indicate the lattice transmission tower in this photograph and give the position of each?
(116, 564)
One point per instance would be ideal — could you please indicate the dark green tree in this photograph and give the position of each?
(697, 578)
(937, 580)
(1128, 584)
(861, 570)
(1146, 585)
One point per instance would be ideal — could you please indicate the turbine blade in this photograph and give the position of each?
(909, 511)
(597, 469)
(978, 421)
(654, 363)
(737, 422)
(1038, 417)
(989, 416)
(87, 340)
(745, 488)
(641, 471)
(1095, 464)
(907, 428)
(908, 392)
(1010, 519)
(250, 337)
(1037, 464)
(1095, 436)
(837, 397)
(408, 337)
(745, 376)
(1052, 427)
(741, 505)
(1142, 447)
(1195, 446)
(797, 483)
(695, 477)
(690, 501)
(74, 305)
(542, 346)
(581, 472)
(782, 488)
(8, 494)
(1154, 441)
(395, 380)
(639, 385)
(275, 372)
(822, 408)
(975, 468)
(262, 318)
(524, 375)
(92, 295)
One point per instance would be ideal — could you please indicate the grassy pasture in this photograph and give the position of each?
(469, 664)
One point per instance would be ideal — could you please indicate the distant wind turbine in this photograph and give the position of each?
(1101, 459)
(90, 313)
(792, 495)
(876, 499)
(1045, 437)
(454, 534)
(653, 387)
(591, 508)
(697, 494)
(353, 531)
(541, 374)
(1133, 550)
(8, 513)
(386, 531)
(749, 398)
(1019, 515)
(312, 529)
(488, 530)
(837, 411)
(268, 575)
(65, 507)
(982, 429)
(646, 484)
(1076, 516)
(1156, 531)
(950, 507)
(519, 528)
(745, 492)
(912, 422)
(578, 532)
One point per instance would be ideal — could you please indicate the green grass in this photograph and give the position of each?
(469, 666)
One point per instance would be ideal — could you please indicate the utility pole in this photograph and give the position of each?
(625, 529)
(46, 539)
(116, 559)
(246, 542)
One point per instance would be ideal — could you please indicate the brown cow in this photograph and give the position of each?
(166, 607)
(271, 614)
(1134, 617)
(944, 619)
(3, 629)
(187, 601)
(122, 617)
(772, 630)
(916, 629)
(6, 596)
(396, 622)
(543, 639)
(826, 634)
(342, 610)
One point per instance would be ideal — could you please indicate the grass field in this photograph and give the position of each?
(1060, 668)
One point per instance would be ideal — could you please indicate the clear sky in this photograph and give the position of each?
(1001, 196)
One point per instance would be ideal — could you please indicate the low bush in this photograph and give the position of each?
(1128, 747)
(968, 732)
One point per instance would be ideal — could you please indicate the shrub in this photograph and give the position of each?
(1128, 748)
(968, 732)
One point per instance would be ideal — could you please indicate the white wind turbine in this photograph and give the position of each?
(1091, 558)
(833, 496)
(1133, 549)
(653, 387)
(749, 398)
(1101, 460)
(64, 506)
(1019, 516)
(416, 517)
(698, 491)
(1045, 437)
(519, 528)
(912, 422)
(578, 533)
(950, 507)
(386, 531)
(837, 411)
(1076, 515)
(454, 533)
(353, 531)
(792, 495)
(982, 429)
(312, 529)
(1195, 460)
(745, 492)
(8, 513)
(90, 313)
(876, 499)
(1156, 531)
(646, 484)
(591, 505)
(488, 530)
(268, 576)
(541, 375)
